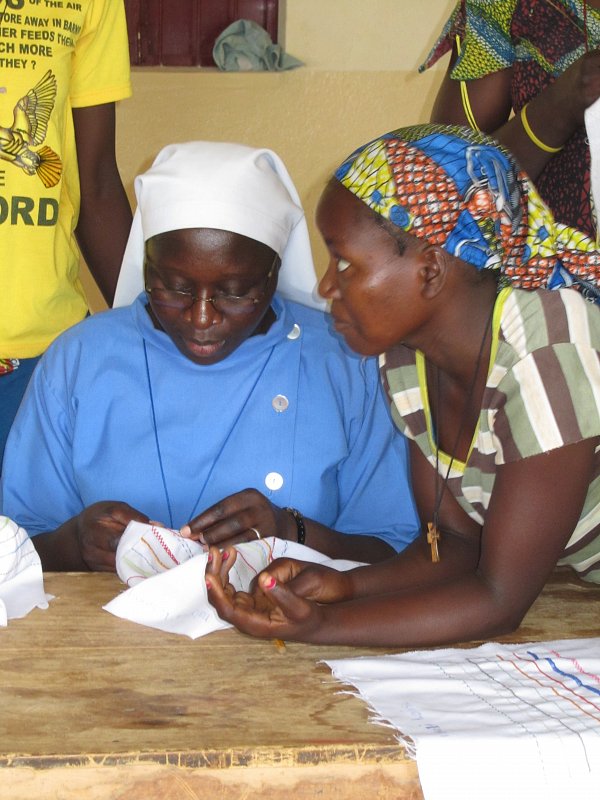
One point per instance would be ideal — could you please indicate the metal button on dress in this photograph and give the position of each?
(274, 481)
(295, 332)
(280, 402)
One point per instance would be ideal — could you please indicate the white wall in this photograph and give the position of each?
(360, 79)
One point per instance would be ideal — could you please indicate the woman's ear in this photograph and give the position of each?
(434, 270)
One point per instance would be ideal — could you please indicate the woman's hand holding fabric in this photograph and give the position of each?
(283, 602)
(241, 517)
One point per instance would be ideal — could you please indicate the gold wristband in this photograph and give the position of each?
(464, 96)
(537, 142)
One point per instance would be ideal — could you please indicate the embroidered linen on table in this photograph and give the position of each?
(492, 722)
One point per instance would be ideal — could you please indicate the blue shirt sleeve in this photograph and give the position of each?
(374, 480)
(39, 489)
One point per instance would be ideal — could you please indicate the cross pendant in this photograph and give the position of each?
(433, 536)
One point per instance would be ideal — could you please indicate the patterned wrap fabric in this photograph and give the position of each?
(537, 40)
(461, 190)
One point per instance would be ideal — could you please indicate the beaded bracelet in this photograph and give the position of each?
(299, 519)
(537, 142)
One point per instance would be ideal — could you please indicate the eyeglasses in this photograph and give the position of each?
(221, 301)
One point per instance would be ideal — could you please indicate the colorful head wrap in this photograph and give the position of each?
(461, 190)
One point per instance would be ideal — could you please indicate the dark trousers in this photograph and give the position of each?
(12, 389)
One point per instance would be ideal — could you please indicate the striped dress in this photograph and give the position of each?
(542, 392)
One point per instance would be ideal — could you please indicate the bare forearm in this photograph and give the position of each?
(551, 124)
(59, 550)
(458, 611)
(102, 233)
(553, 115)
(105, 215)
(413, 568)
(548, 122)
(354, 547)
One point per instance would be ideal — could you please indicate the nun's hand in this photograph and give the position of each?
(99, 528)
(241, 517)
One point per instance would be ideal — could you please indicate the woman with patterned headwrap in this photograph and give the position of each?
(440, 249)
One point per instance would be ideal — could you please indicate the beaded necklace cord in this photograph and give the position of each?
(221, 448)
(433, 529)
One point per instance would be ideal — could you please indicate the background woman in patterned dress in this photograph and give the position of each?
(508, 54)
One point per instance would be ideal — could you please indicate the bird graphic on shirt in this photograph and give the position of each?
(30, 125)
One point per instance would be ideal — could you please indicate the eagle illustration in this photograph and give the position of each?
(30, 124)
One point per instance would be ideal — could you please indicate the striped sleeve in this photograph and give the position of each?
(550, 397)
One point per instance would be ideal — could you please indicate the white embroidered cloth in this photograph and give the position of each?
(496, 722)
(166, 575)
(21, 580)
(147, 550)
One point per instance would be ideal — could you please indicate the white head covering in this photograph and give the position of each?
(230, 187)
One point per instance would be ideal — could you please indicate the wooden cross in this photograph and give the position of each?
(433, 537)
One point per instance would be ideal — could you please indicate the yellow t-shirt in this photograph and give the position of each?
(54, 56)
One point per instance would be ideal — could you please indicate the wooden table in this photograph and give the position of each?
(96, 707)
